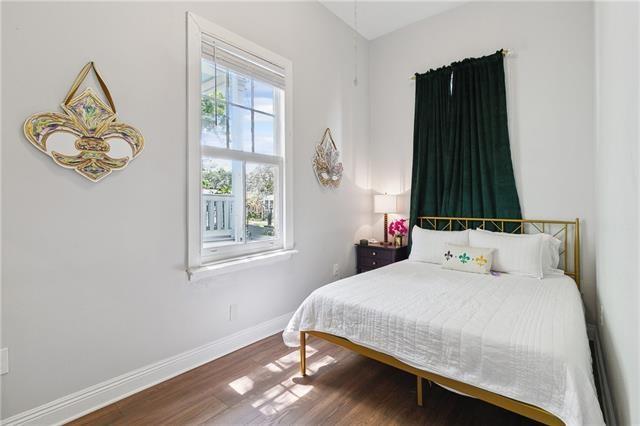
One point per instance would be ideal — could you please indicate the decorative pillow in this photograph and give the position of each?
(514, 253)
(428, 245)
(468, 259)
(551, 255)
(550, 251)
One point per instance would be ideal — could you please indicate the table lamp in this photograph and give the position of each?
(385, 203)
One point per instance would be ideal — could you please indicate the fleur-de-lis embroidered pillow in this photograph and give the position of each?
(467, 259)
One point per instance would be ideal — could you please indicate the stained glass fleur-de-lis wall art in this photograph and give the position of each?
(93, 125)
(326, 162)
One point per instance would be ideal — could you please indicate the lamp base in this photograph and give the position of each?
(386, 230)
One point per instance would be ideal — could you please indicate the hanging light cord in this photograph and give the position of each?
(355, 42)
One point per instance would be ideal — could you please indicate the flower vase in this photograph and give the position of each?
(397, 240)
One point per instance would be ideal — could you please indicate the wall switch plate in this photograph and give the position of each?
(336, 269)
(4, 360)
(233, 312)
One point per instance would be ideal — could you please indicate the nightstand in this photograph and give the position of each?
(375, 256)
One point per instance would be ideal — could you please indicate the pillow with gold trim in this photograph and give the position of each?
(467, 259)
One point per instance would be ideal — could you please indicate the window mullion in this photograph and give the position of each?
(227, 107)
(277, 131)
(233, 154)
(248, 108)
(244, 202)
(253, 132)
(257, 111)
(215, 91)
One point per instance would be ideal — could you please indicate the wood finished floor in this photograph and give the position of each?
(261, 384)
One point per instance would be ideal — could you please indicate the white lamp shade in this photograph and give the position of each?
(384, 203)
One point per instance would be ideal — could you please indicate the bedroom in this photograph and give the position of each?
(107, 297)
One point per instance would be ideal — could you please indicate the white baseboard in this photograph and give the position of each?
(607, 410)
(78, 404)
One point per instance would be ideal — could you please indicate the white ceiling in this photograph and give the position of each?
(376, 18)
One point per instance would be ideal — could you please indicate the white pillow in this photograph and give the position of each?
(467, 259)
(514, 253)
(550, 251)
(551, 255)
(428, 245)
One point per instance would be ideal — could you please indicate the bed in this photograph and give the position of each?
(513, 341)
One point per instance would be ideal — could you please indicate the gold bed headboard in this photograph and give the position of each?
(562, 229)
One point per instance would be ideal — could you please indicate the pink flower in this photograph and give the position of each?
(398, 227)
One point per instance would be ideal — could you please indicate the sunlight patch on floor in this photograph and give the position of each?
(286, 393)
(245, 384)
(242, 385)
(273, 368)
(293, 358)
(315, 366)
(281, 396)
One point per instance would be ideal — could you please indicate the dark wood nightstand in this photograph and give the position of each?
(375, 256)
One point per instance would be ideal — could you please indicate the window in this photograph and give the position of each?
(239, 99)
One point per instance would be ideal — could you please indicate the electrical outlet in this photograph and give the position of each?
(233, 312)
(336, 270)
(601, 315)
(4, 360)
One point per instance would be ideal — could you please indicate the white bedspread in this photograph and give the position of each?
(519, 337)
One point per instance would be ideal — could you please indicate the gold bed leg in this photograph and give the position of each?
(419, 384)
(303, 353)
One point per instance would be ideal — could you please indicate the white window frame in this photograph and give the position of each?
(243, 255)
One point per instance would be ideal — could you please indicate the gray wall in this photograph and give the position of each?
(618, 115)
(93, 274)
(550, 102)
(92, 289)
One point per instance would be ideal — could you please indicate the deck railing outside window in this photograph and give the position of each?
(217, 217)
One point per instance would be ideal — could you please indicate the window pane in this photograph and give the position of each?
(221, 83)
(240, 89)
(213, 114)
(264, 133)
(213, 122)
(239, 128)
(207, 70)
(221, 193)
(263, 97)
(261, 207)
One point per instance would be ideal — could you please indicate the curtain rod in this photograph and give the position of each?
(505, 52)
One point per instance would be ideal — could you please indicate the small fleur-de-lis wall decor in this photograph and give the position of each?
(94, 125)
(480, 260)
(326, 164)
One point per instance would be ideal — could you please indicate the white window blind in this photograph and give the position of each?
(244, 62)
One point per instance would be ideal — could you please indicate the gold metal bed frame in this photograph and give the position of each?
(570, 256)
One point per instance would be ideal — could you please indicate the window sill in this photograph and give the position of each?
(238, 264)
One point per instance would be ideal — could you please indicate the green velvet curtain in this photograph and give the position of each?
(461, 154)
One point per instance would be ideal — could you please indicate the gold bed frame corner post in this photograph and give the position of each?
(419, 390)
(303, 353)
